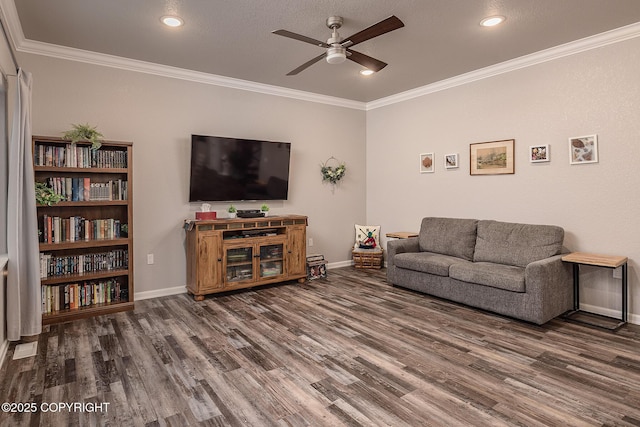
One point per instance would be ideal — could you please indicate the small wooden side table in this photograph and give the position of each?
(607, 261)
(401, 235)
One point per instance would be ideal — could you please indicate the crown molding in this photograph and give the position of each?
(79, 55)
(9, 15)
(561, 51)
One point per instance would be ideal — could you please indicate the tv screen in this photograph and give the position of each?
(232, 169)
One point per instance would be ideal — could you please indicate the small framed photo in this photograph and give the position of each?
(492, 158)
(539, 153)
(426, 163)
(583, 149)
(451, 161)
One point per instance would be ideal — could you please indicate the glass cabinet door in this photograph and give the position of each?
(271, 260)
(239, 264)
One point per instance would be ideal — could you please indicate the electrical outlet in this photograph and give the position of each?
(617, 273)
(310, 241)
(149, 259)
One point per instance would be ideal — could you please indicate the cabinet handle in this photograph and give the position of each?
(219, 259)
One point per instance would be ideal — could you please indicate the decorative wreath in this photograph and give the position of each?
(330, 173)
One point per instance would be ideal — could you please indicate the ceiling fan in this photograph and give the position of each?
(338, 49)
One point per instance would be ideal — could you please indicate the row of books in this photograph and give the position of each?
(76, 295)
(76, 228)
(78, 156)
(60, 265)
(82, 189)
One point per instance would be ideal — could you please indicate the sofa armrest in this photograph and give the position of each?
(400, 246)
(551, 281)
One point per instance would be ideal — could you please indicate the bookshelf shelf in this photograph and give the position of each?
(78, 170)
(83, 277)
(86, 258)
(94, 310)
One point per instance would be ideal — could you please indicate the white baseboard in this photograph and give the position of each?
(616, 314)
(632, 318)
(160, 293)
(339, 264)
(183, 289)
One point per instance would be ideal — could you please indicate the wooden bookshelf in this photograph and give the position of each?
(84, 250)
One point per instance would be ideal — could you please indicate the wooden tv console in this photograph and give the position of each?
(229, 254)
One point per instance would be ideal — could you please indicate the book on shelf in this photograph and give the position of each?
(61, 265)
(76, 228)
(78, 156)
(73, 296)
(83, 189)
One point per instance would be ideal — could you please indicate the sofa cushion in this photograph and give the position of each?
(448, 236)
(507, 277)
(426, 262)
(516, 244)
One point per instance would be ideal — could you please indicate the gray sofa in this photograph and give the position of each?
(507, 268)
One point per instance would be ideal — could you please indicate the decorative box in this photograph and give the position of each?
(367, 258)
(206, 215)
(316, 267)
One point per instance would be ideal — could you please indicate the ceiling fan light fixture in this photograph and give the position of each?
(172, 21)
(336, 55)
(492, 21)
(366, 72)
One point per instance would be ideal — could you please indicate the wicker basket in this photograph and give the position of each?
(367, 258)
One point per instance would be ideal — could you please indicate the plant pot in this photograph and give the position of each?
(232, 214)
(265, 213)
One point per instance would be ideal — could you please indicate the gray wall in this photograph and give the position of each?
(594, 92)
(159, 115)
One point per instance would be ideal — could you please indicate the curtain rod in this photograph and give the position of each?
(6, 37)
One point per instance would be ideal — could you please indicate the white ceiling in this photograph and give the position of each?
(232, 38)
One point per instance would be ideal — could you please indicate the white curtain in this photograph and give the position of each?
(24, 312)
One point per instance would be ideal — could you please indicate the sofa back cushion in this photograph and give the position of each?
(516, 244)
(448, 236)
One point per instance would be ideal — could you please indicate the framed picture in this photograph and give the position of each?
(426, 163)
(583, 149)
(492, 158)
(451, 161)
(539, 153)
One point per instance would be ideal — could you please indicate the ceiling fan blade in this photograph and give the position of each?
(366, 61)
(306, 64)
(382, 27)
(300, 37)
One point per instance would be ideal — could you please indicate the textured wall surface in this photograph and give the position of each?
(594, 92)
(159, 115)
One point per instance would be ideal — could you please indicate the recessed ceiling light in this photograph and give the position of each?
(492, 21)
(172, 21)
(366, 72)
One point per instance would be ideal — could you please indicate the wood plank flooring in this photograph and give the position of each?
(347, 350)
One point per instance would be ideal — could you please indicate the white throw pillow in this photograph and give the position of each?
(367, 234)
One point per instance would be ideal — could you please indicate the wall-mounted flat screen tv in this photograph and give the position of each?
(233, 169)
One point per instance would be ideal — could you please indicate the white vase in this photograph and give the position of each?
(232, 214)
(266, 213)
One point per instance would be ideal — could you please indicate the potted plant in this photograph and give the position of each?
(264, 209)
(45, 195)
(84, 133)
(232, 211)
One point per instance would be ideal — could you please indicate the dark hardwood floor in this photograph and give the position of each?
(346, 350)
